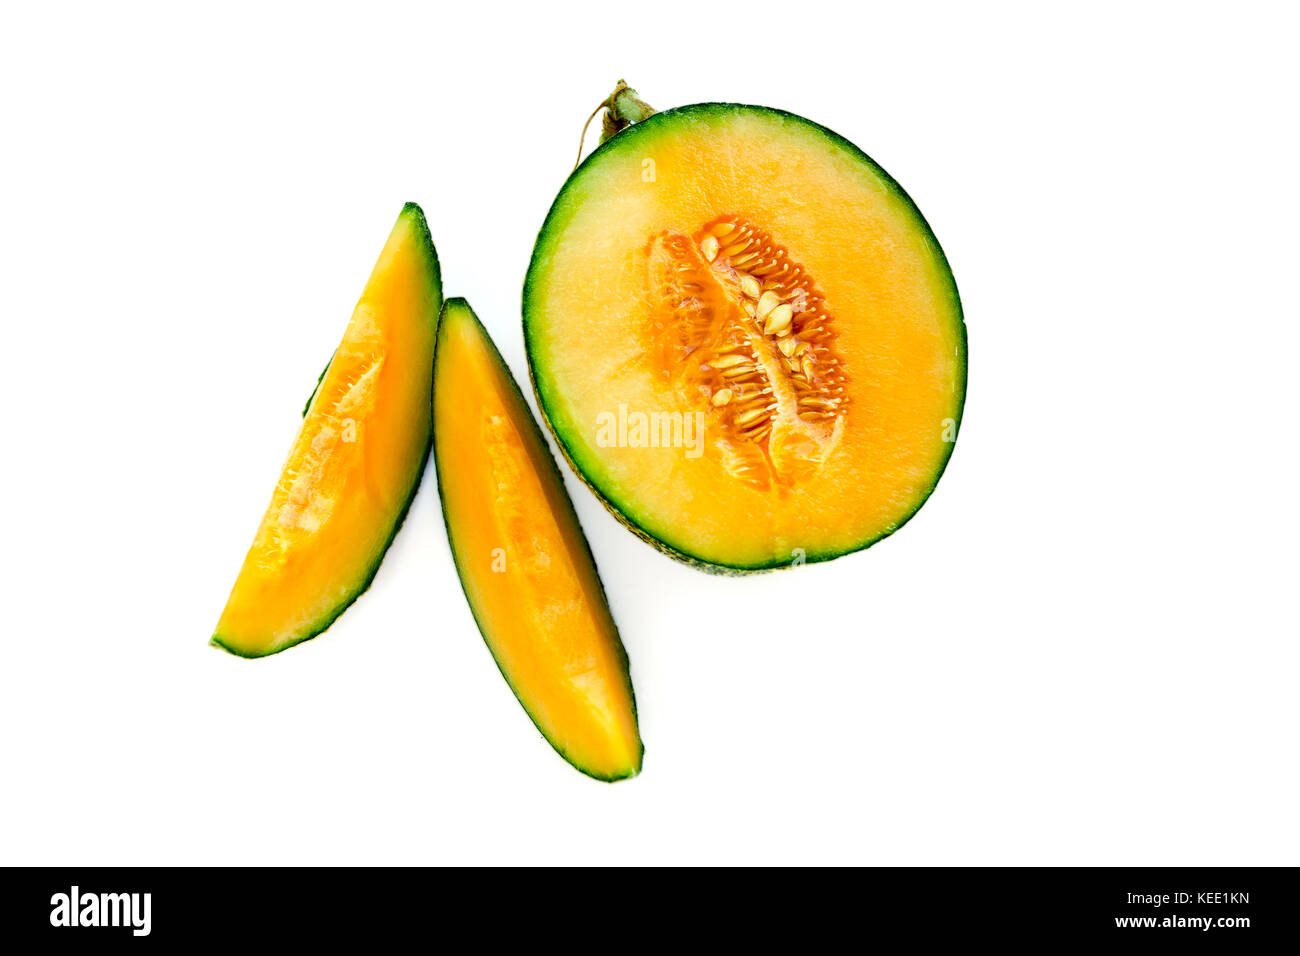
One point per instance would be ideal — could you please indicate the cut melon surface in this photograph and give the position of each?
(523, 560)
(355, 464)
(745, 338)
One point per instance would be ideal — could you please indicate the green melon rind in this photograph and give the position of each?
(458, 309)
(321, 624)
(627, 139)
(316, 388)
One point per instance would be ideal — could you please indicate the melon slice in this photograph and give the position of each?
(356, 463)
(523, 560)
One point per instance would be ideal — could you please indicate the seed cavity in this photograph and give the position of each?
(744, 326)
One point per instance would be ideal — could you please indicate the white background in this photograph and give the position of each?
(1082, 650)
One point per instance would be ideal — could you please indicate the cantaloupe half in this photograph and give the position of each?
(356, 463)
(745, 337)
(523, 560)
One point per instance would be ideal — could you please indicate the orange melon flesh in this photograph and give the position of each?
(355, 464)
(523, 560)
(600, 303)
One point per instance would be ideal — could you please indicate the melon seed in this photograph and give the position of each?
(730, 360)
(766, 303)
(779, 318)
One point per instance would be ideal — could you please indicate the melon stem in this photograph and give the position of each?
(623, 107)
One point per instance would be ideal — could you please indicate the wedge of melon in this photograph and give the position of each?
(523, 560)
(744, 336)
(356, 463)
